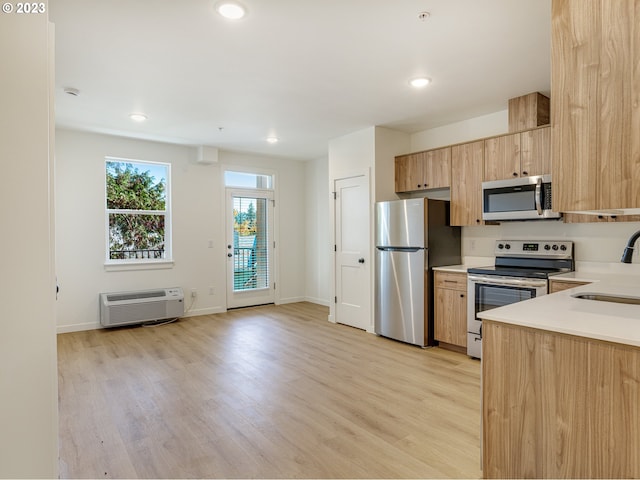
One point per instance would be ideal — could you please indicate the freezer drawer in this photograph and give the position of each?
(399, 306)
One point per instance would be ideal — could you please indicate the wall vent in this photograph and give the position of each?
(128, 308)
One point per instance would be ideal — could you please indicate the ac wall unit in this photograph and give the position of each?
(128, 308)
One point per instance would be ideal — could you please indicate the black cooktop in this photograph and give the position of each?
(522, 272)
(529, 259)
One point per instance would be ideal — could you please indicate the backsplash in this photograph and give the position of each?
(593, 242)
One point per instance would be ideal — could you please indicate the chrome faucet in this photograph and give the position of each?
(628, 250)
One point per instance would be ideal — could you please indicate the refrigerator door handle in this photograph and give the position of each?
(400, 249)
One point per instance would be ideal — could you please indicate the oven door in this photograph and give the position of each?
(493, 291)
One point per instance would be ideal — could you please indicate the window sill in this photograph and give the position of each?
(131, 266)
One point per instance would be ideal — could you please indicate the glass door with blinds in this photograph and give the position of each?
(250, 247)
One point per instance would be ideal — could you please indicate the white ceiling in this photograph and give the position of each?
(305, 71)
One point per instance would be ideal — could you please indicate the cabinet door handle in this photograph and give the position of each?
(525, 173)
(515, 174)
(462, 295)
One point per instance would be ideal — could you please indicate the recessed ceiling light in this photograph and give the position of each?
(272, 139)
(231, 10)
(419, 82)
(137, 117)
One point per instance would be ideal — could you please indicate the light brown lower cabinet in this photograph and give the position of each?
(560, 285)
(558, 406)
(450, 308)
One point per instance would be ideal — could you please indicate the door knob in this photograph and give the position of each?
(229, 247)
(361, 260)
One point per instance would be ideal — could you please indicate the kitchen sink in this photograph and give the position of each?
(607, 297)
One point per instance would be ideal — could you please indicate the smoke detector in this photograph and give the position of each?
(424, 16)
(71, 91)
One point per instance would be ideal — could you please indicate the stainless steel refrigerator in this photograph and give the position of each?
(412, 236)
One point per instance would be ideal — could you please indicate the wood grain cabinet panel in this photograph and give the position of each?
(409, 171)
(423, 170)
(560, 285)
(558, 406)
(502, 157)
(588, 218)
(535, 152)
(437, 171)
(595, 87)
(450, 308)
(518, 154)
(467, 166)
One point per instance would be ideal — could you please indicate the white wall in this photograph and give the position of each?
(472, 129)
(319, 253)
(388, 144)
(197, 217)
(28, 366)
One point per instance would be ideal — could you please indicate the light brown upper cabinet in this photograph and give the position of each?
(423, 170)
(502, 157)
(466, 191)
(595, 92)
(518, 154)
(409, 172)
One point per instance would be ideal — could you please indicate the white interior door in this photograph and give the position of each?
(353, 257)
(250, 248)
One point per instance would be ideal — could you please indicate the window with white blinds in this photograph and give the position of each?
(251, 243)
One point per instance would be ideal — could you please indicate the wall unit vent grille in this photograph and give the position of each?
(128, 308)
(115, 297)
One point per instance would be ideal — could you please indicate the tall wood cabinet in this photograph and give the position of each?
(595, 91)
(467, 164)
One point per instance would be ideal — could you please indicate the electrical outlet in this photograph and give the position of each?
(194, 293)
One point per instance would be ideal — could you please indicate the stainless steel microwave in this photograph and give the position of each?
(525, 198)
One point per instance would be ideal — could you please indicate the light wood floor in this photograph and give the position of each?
(264, 392)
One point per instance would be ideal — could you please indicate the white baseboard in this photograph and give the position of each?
(319, 301)
(204, 311)
(77, 327)
(282, 301)
(81, 327)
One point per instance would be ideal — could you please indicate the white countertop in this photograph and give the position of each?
(452, 268)
(468, 263)
(560, 312)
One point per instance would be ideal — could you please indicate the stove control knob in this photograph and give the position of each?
(500, 246)
(563, 247)
(555, 247)
(507, 246)
(547, 247)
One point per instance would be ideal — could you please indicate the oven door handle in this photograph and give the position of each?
(516, 282)
(539, 196)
